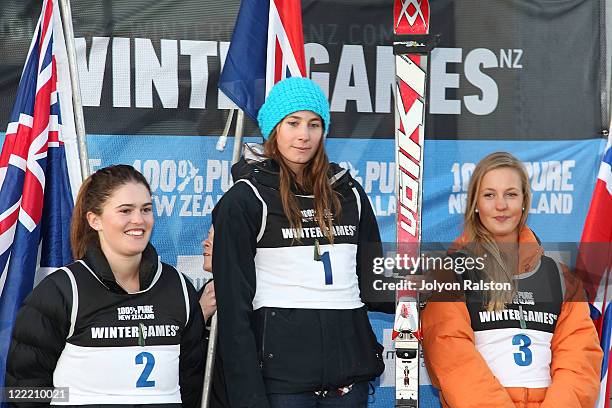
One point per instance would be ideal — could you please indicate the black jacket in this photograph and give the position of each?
(42, 328)
(286, 350)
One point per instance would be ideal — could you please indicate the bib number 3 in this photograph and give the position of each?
(149, 361)
(523, 357)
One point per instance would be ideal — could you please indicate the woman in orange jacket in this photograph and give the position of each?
(529, 344)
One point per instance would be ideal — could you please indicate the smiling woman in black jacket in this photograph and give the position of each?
(291, 238)
(118, 326)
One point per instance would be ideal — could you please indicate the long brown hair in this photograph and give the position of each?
(314, 180)
(480, 239)
(94, 192)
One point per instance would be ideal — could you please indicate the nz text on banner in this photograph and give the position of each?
(39, 171)
(267, 46)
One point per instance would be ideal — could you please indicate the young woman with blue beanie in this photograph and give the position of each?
(291, 239)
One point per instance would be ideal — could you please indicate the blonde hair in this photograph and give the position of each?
(480, 240)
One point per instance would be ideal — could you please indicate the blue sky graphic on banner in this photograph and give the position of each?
(188, 176)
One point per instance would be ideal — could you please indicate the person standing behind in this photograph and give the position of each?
(208, 301)
(531, 345)
(117, 327)
(291, 239)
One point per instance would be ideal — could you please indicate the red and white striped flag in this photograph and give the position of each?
(39, 172)
(595, 265)
(267, 46)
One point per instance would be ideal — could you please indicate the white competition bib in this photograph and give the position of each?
(517, 357)
(290, 277)
(119, 375)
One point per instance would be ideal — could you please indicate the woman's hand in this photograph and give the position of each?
(208, 301)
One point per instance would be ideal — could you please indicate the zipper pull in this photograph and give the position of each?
(522, 318)
(141, 339)
(317, 251)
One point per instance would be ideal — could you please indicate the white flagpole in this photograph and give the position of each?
(210, 362)
(212, 336)
(236, 153)
(77, 105)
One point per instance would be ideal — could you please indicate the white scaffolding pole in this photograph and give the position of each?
(77, 105)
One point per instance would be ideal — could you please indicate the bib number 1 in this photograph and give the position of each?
(329, 279)
(324, 257)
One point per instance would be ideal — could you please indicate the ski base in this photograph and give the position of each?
(407, 370)
(406, 336)
(411, 41)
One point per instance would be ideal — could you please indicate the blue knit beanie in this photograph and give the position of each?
(291, 95)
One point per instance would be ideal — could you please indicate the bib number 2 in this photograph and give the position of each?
(523, 357)
(149, 361)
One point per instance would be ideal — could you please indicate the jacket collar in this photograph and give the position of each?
(97, 262)
(265, 171)
(530, 250)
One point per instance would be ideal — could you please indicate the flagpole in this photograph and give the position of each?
(212, 336)
(77, 105)
(236, 153)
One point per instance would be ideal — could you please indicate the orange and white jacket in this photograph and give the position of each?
(548, 358)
